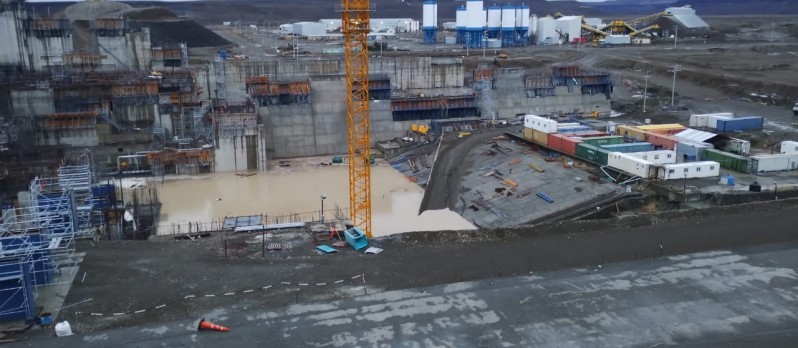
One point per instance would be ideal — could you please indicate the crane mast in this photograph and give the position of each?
(355, 18)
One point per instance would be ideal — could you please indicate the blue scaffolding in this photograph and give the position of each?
(508, 37)
(430, 35)
(37, 240)
(474, 38)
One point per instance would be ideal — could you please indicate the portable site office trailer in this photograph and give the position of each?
(738, 146)
(775, 163)
(656, 156)
(706, 169)
(539, 123)
(632, 165)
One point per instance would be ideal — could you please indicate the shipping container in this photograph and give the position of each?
(733, 145)
(706, 169)
(775, 163)
(740, 124)
(539, 137)
(728, 160)
(661, 141)
(610, 140)
(574, 129)
(632, 165)
(629, 147)
(591, 153)
(589, 134)
(563, 143)
(568, 124)
(542, 124)
(657, 156)
(688, 151)
(712, 120)
(668, 129)
(630, 132)
(701, 120)
(788, 146)
(528, 133)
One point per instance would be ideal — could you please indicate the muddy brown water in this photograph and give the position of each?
(298, 190)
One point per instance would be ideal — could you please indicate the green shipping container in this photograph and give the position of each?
(592, 153)
(610, 140)
(728, 160)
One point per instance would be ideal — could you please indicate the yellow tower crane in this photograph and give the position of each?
(355, 18)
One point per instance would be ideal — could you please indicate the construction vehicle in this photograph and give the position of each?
(355, 26)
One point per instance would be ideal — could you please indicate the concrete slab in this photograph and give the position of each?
(483, 205)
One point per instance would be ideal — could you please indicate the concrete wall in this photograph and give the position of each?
(35, 102)
(233, 153)
(511, 99)
(68, 137)
(131, 51)
(420, 72)
(12, 50)
(47, 51)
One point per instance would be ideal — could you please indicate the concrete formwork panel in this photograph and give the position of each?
(26, 103)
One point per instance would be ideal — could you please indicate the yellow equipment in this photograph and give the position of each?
(355, 18)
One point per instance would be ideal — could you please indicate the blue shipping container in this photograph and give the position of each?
(629, 147)
(689, 152)
(741, 124)
(574, 129)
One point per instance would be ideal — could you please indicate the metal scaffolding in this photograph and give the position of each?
(37, 249)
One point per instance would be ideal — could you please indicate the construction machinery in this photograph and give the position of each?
(619, 27)
(355, 18)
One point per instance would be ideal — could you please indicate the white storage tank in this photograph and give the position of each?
(460, 21)
(494, 20)
(656, 157)
(475, 18)
(547, 31)
(704, 169)
(632, 165)
(430, 15)
(508, 32)
(533, 25)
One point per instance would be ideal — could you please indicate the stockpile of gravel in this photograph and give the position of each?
(171, 33)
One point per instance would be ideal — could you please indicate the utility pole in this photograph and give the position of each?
(675, 35)
(467, 41)
(645, 90)
(676, 68)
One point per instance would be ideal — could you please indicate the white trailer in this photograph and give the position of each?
(701, 120)
(656, 157)
(775, 163)
(690, 170)
(632, 165)
(540, 124)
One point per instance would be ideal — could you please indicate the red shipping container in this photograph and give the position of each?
(563, 143)
(661, 141)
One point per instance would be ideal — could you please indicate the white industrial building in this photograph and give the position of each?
(546, 32)
(569, 28)
(309, 29)
(400, 25)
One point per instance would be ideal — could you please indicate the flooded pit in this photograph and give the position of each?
(298, 190)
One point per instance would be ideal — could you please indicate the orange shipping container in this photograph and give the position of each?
(540, 137)
(661, 141)
(563, 143)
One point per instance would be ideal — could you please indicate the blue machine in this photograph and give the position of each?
(356, 238)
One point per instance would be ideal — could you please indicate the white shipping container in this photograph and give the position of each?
(541, 124)
(789, 146)
(701, 120)
(632, 165)
(738, 146)
(775, 163)
(568, 124)
(656, 157)
(705, 169)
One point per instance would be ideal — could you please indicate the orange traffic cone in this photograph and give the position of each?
(206, 325)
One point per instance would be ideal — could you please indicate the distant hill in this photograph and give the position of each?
(702, 7)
